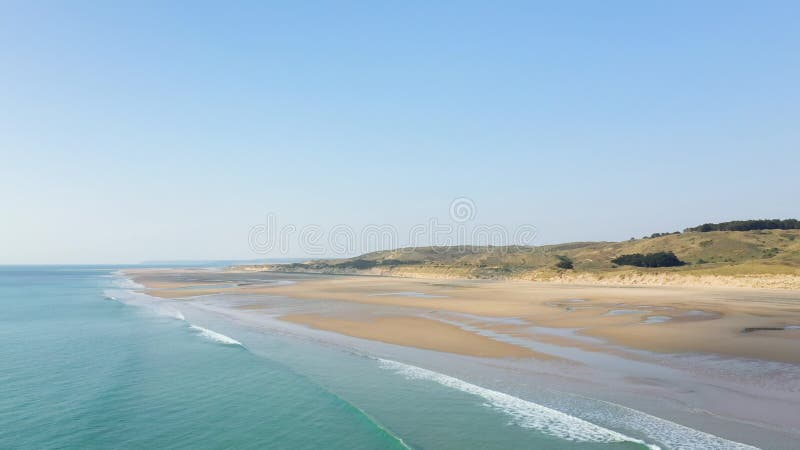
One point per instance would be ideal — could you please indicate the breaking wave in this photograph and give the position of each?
(162, 308)
(525, 414)
(556, 423)
(212, 335)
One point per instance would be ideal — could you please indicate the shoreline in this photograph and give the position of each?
(733, 322)
(727, 382)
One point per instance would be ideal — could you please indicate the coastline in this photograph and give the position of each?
(666, 319)
(717, 379)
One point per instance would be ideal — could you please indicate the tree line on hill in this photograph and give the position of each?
(656, 235)
(749, 225)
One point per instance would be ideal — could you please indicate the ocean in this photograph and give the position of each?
(85, 363)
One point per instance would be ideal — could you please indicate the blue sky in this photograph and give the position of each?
(141, 131)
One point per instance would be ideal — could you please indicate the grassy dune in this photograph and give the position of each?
(766, 258)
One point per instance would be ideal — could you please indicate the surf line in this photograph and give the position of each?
(216, 337)
(525, 413)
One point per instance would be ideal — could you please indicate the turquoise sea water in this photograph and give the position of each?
(81, 370)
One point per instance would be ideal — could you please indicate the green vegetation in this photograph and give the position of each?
(564, 263)
(657, 235)
(361, 264)
(716, 253)
(352, 263)
(658, 259)
(748, 225)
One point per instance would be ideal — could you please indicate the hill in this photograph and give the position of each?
(758, 258)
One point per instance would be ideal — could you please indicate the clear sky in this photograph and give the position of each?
(140, 131)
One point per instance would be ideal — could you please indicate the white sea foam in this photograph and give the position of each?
(672, 435)
(216, 337)
(556, 423)
(524, 413)
(158, 307)
(162, 308)
(123, 282)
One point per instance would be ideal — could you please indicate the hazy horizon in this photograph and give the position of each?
(139, 132)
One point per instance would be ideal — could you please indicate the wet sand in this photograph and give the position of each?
(417, 332)
(687, 320)
(726, 361)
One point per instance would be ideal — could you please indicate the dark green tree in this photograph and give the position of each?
(658, 259)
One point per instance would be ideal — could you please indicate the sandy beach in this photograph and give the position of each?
(722, 360)
(736, 322)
